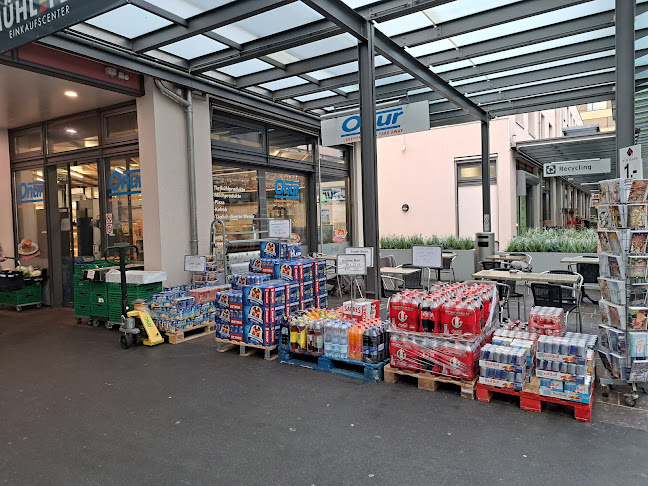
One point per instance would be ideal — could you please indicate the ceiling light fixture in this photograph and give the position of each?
(71, 131)
(71, 94)
(76, 174)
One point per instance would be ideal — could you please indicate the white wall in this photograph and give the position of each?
(165, 193)
(6, 215)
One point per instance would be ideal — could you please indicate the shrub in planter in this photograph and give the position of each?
(555, 240)
(395, 242)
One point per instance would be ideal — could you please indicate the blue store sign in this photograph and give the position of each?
(125, 183)
(287, 189)
(30, 192)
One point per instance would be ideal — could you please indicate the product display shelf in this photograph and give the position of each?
(246, 349)
(347, 367)
(532, 401)
(430, 382)
(623, 262)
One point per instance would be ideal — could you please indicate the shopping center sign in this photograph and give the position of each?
(125, 183)
(577, 167)
(25, 21)
(397, 120)
(30, 192)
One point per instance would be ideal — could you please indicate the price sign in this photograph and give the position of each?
(367, 251)
(90, 274)
(195, 263)
(631, 165)
(279, 228)
(427, 256)
(351, 265)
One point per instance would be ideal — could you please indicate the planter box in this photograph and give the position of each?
(464, 264)
(543, 261)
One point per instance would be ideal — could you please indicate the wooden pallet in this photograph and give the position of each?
(246, 349)
(189, 334)
(430, 382)
(532, 401)
(347, 367)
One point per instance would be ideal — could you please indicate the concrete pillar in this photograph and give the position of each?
(165, 193)
(6, 207)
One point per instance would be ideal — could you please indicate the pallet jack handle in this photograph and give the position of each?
(121, 249)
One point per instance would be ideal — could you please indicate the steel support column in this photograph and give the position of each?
(369, 153)
(486, 195)
(625, 74)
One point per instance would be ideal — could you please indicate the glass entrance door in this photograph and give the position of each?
(78, 214)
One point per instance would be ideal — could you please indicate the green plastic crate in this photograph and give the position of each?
(82, 310)
(136, 291)
(29, 294)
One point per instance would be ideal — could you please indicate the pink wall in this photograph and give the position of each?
(423, 176)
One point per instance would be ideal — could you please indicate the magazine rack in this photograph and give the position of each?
(623, 262)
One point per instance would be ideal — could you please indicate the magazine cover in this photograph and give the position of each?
(603, 187)
(617, 269)
(637, 296)
(639, 370)
(604, 241)
(637, 216)
(637, 318)
(638, 242)
(605, 360)
(605, 290)
(614, 242)
(617, 291)
(604, 267)
(605, 315)
(603, 217)
(638, 191)
(617, 216)
(636, 267)
(617, 316)
(614, 191)
(603, 337)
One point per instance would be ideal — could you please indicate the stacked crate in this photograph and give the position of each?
(133, 292)
(82, 290)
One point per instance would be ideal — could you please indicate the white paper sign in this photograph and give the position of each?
(65, 224)
(194, 263)
(427, 256)
(351, 265)
(630, 162)
(367, 250)
(90, 274)
(279, 228)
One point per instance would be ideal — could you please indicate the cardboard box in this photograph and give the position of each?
(500, 383)
(265, 294)
(572, 397)
(266, 316)
(259, 334)
(263, 265)
(362, 309)
(289, 270)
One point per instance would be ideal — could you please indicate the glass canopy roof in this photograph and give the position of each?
(503, 55)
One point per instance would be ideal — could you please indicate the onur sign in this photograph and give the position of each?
(25, 21)
(577, 167)
(397, 120)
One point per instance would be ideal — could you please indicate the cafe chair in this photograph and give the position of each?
(560, 296)
(391, 285)
(332, 277)
(590, 273)
(513, 294)
(412, 280)
(568, 293)
(487, 265)
(447, 268)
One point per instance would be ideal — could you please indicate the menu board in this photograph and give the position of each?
(427, 256)
(351, 265)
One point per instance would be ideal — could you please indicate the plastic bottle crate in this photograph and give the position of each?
(82, 310)
(135, 291)
(29, 294)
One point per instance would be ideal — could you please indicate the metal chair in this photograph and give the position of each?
(512, 294)
(590, 273)
(487, 265)
(569, 294)
(552, 295)
(412, 280)
(391, 285)
(448, 268)
(332, 277)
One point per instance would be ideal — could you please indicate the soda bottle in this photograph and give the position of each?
(310, 339)
(373, 345)
(318, 339)
(294, 335)
(427, 321)
(285, 336)
(328, 341)
(301, 340)
(366, 355)
(344, 340)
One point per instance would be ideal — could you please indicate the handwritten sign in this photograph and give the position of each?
(367, 251)
(427, 256)
(279, 228)
(194, 263)
(351, 265)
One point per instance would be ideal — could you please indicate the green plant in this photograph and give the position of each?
(396, 242)
(555, 240)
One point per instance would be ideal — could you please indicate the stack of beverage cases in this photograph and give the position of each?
(442, 331)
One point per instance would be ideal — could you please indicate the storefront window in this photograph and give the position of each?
(334, 217)
(248, 136)
(331, 155)
(73, 134)
(290, 145)
(287, 198)
(84, 192)
(123, 219)
(31, 218)
(121, 125)
(28, 142)
(236, 198)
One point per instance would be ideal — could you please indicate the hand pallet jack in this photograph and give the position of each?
(136, 322)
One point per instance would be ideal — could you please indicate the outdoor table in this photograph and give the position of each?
(556, 278)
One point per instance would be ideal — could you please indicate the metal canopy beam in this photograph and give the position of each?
(541, 34)
(346, 17)
(210, 20)
(625, 74)
(379, 11)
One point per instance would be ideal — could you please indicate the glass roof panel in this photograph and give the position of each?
(451, 66)
(350, 89)
(641, 44)
(419, 91)
(541, 46)
(284, 83)
(189, 8)
(324, 46)
(246, 67)
(546, 65)
(641, 21)
(195, 46)
(271, 22)
(462, 8)
(333, 71)
(129, 21)
(394, 79)
(406, 23)
(381, 61)
(315, 96)
(431, 48)
(529, 23)
(358, 3)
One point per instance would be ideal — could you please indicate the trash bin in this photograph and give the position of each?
(485, 246)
